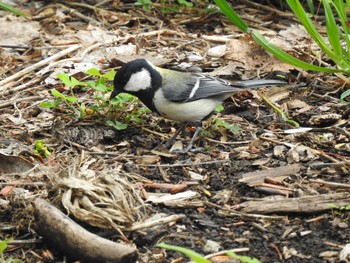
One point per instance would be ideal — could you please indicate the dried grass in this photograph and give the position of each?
(107, 198)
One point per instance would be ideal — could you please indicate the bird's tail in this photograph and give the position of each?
(254, 83)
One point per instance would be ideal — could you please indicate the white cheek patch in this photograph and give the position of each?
(139, 81)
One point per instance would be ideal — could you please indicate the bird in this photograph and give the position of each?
(180, 96)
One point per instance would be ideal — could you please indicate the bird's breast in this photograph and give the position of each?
(193, 111)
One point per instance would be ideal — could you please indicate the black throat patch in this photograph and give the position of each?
(146, 96)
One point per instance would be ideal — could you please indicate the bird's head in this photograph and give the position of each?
(136, 77)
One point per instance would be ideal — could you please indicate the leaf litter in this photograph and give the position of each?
(268, 190)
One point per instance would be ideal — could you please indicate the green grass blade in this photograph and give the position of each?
(339, 6)
(311, 6)
(231, 14)
(11, 9)
(194, 256)
(332, 31)
(310, 28)
(243, 259)
(344, 95)
(285, 57)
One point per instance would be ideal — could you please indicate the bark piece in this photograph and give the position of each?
(76, 242)
(258, 177)
(304, 204)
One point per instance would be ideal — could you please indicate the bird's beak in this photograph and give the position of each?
(114, 94)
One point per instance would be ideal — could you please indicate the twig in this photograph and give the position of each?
(79, 146)
(80, 15)
(228, 143)
(38, 65)
(155, 133)
(24, 183)
(162, 221)
(229, 212)
(224, 252)
(28, 84)
(185, 164)
(338, 185)
(52, 65)
(142, 35)
(284, 116)
(25, 242)
(10, 102)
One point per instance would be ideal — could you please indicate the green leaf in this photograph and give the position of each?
(75, 82)
(194, 256)
(58, 94)
(71, 99)
(186, 3)
(91, 83)
(50, 104)
(11, 9)
(232, 15)
(231, 127)
(100, 87)
(41, 150)
(146, 4)
(69, 81)
(219, 108)
(93, 72)
(64, 78)
(3, 245)
(285, 57)
(109, 75)
(117, 125)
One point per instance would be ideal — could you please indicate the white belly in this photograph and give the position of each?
(193, 111)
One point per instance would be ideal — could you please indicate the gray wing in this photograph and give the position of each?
(197, 86)
(185, 87)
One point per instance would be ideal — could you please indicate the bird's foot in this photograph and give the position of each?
(186, 150)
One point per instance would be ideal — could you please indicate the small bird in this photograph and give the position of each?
(179, 96)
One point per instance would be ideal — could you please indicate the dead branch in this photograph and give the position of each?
(76, 242)
(304, 204)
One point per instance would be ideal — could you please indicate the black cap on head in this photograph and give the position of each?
(123, 75)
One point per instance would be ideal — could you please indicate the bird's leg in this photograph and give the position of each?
(189, 146)
(172, 139)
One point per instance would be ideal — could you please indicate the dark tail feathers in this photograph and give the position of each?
(254, 83)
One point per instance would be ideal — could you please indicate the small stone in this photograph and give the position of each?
(211, 247)
(217, 51)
